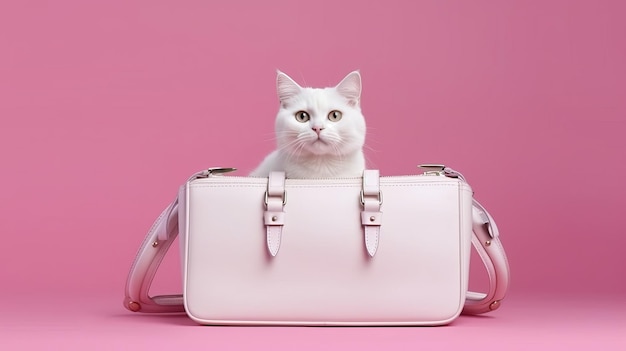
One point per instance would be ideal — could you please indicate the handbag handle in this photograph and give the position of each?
(151, 252)
(486, 241)
(165, 229)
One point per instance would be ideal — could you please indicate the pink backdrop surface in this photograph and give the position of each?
(107, 106)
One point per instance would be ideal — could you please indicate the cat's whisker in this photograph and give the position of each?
(369, 148)
(370, 164)
(370, 139)
(338, 152)
(287, 147)
(300, 149)
(297, 150)
(286, 132)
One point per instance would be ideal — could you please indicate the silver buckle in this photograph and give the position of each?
(380, 198)
(284, 198)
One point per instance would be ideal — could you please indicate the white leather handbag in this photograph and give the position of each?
(347, 251)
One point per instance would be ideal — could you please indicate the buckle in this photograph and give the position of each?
(284, 198)
(380, 198)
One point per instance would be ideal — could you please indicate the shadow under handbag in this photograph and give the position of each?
(344, 251)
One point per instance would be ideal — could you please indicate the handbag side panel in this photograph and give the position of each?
(322, 274)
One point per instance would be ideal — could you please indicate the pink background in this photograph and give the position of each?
(107, 106)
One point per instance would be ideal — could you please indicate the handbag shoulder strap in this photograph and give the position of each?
(486, 241)
(152, 251)
(165, 229)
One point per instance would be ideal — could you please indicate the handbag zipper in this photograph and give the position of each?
(210, 172)
(440, 170)
(220, 170)
(429, 170)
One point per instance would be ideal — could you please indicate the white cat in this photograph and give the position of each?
(320, 133)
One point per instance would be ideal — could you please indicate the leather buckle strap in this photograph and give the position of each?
(274, 216)
(371, 216)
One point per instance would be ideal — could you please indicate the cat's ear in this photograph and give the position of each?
(286, 87)
(350, 88)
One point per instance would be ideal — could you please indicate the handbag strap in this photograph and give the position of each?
(152, 251)
(165, 229)
(486, 241)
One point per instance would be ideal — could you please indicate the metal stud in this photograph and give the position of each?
(155, 244)
(274, 218)
(494, 305)
(488, 243)
(134, 306)
(372, 219)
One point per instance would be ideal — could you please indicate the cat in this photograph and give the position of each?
(320, 132)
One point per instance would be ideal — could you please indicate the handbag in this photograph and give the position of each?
(366, 251)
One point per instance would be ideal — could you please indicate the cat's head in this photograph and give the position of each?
(316, 122)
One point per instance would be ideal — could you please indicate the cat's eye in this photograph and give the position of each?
(334, 116)
(302, 116)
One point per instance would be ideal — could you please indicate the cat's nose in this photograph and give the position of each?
(317, 130)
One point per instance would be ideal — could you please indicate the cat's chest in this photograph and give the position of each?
(325, 167)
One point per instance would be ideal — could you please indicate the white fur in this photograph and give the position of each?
(302, 152)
